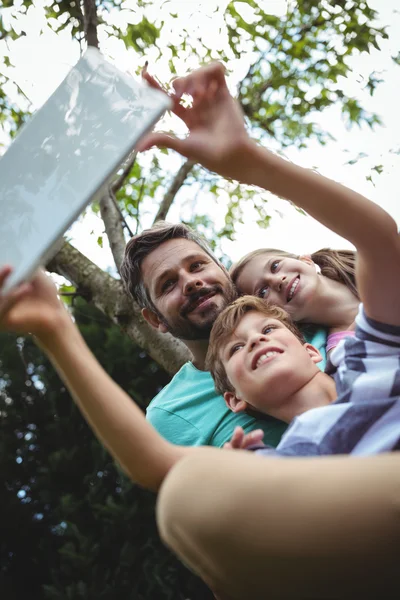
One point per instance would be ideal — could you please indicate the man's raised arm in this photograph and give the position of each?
(119, 424)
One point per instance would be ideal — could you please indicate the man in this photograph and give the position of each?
(181, 287)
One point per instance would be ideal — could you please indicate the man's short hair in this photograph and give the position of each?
(142, 245)
(225, 325)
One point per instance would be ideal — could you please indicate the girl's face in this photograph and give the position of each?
(282, 280)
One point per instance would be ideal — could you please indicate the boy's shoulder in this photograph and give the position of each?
(368, 363)
(372, 341)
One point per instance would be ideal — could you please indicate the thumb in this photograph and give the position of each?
(162, 140)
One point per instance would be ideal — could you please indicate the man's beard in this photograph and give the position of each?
(184, 329)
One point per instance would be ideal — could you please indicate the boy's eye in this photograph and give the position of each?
(268, 328)
(234, 349)
(263, 292)
(274, 266)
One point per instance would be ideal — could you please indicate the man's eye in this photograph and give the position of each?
(234, 349)
(196, 265)
(263, 292)
(274, 266)
(167, 285)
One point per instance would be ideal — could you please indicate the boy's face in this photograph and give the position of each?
(266, 364)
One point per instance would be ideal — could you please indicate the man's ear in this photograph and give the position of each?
(153, 319)
(313, 353)
(234, 403)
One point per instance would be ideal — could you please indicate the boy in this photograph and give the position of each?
(259, 360)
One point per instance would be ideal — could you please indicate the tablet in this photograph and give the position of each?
(65, 157)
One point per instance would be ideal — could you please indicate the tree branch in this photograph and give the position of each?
(109, 296)
(90, 22)
(127, 168)
(173, 189)
(112, 217)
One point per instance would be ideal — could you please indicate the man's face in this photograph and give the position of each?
(187, 287)
(266, 364)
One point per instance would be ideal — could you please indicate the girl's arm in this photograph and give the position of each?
(372, 231)
(218, 139)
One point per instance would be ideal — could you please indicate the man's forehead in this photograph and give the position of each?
(169, 255)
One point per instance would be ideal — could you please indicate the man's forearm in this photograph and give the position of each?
(144, 455)
(322, 198)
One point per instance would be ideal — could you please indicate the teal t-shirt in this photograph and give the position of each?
(189, 412)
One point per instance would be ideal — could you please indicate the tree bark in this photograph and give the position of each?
(90, 22)
(109, 296)
(113, 226)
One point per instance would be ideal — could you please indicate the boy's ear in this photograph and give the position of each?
(234, 403)
(153, 319)
(313, 353)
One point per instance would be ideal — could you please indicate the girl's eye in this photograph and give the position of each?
(263, 292)
(274, 266)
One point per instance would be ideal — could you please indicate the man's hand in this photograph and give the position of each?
(217, 136)
(32, 307)
(241, 440)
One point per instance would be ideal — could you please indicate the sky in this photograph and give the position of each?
(42, 59)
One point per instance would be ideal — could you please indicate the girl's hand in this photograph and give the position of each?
(32, 307)
(241, 440)
(217, 136)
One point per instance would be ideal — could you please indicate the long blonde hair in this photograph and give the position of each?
(335, 264)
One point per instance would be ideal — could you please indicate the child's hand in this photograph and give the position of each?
(32, 307)
(241, 440)
(217, 136)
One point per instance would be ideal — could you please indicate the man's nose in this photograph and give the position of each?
(192, 284)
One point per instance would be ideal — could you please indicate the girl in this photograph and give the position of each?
(319, 289)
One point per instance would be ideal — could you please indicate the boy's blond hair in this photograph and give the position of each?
(225, 325)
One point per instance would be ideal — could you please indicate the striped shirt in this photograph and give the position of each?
(365, 417)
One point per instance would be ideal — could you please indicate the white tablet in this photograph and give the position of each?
(64, 157)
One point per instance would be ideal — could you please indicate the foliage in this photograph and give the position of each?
(296, 65)
(73, 526)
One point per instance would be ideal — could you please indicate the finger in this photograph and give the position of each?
(177, 108)
(161, 140)
(254, 437)
(14, 297)
(239, 437)
(151, 80)
(4, 273)
(202, 77)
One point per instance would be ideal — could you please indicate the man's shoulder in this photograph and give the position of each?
(186, 385)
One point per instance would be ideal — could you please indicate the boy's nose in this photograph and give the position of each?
(257, 339)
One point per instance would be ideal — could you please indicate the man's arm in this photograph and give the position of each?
(121, 426)
(218, 139)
